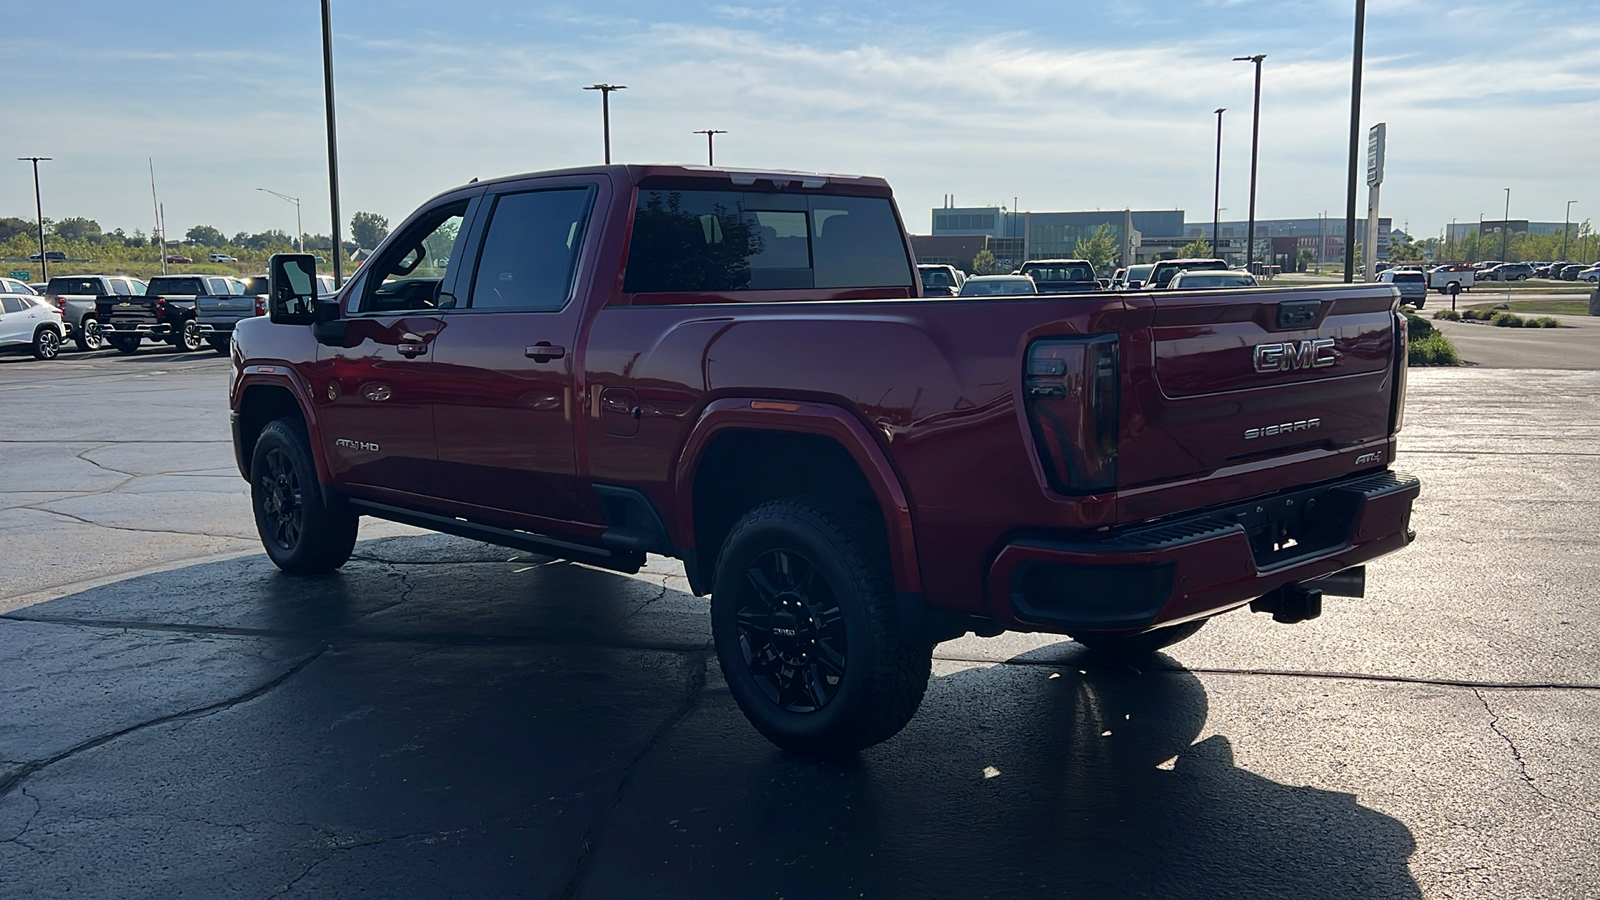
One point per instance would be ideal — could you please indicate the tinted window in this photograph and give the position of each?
(530, 252)
(937, 278)
(60, 286)
(120, 287)
(1408, 276)
(1059, 273)
(11, 304)
(705, 241)
(255, 284)
(189, 287)
(975, 288)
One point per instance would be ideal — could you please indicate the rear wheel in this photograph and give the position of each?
(124, 343)
(807, 629)
(46, 343)
(303, 535)
(1132, 646)
(88, 335)
(187, 336)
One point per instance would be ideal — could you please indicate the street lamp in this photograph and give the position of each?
(1355, 145)
(1566, 227)
(299, 233)
(1216, 196)
(1505, 229)
(1255, 138)
(605, 110)
(333, 142)
(38, 207)
(711, 151)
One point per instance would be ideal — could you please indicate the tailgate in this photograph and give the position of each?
(115, 311)
(1237, 388)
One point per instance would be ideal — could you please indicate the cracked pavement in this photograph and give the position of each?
(447, 718)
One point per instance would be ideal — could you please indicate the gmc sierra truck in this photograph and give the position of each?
(737, 369)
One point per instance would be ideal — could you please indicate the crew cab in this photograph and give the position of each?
(166, 311)
(77, 297)
(737, 369)
(1161, 271)
(217, 314)
(1061, 276)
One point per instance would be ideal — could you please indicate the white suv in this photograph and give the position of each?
(30, 324)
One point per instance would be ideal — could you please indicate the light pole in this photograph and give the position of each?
(38, 207)
(711, 151)
(605, 110)
(1566, 227)
(333, 142)
(1355, 146)
(1505, 229)
(299, 233)
(1255, 139)
(1216, 196)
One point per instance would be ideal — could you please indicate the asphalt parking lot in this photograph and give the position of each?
(445, 718)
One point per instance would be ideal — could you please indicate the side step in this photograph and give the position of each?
(619, 559)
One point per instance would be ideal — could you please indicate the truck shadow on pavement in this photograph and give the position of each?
(446, 718)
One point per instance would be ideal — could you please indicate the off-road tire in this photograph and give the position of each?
(1126, 647)
(88, 335)
(126, 344)
(186, 336)
(303, 535)
(46, 343)
(882, 662)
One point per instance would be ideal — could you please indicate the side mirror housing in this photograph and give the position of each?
(327, 326)
(292, 288)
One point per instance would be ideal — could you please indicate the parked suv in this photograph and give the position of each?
(1507, 272)
(1162, 271)
(29, 324)
(1412, 284)
(940, 280)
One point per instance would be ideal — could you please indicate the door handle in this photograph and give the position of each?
(411, 349)
(544, 351)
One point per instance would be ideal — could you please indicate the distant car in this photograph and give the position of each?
(1590, 274)
(937, 280)
(13, 286)
(1570, 273)
(998, 286)
(1507, 272)
(222, 257)
(1412, 284)
(1162, 272)
(1207, 279)
(51, 255)
(1135, 277)
(1061, 276)
(175, 258)
(30, 324)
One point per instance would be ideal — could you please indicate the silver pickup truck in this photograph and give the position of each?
(75, 296)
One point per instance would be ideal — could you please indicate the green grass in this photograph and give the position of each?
(1578, 306)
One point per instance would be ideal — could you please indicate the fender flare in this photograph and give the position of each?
(285, 377)
(827, 420)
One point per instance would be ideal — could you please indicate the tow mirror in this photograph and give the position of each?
(292, 288)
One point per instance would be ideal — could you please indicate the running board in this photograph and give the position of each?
(619, 560)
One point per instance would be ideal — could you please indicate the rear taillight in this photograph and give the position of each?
(261, 304)
(161, 307)
(1402, 364)
(1071, 389)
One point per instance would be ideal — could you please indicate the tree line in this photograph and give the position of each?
(83, 237)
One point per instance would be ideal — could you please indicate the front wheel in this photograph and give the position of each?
(88, 335)
(1133, 646)
(187, 336)
(46, 343)
(807, 629)
(303, 534)
(126, 344)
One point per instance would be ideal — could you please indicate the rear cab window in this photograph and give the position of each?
(59, 286)
(180, 287)
(729, 245)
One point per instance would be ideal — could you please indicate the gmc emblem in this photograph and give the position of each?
(1292, 355)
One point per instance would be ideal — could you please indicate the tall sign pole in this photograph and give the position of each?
(38, 207)
(1255, 145)
(1375, 141)
(1355, 146)
(333, 142)
(1216, 195)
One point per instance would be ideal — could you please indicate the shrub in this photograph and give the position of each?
(1449, 315)
(1477, 314)
(1417, 327)
(1506, 320)
(1543, 322)
(1433, 350)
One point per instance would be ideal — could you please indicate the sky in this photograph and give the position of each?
(1062, 106)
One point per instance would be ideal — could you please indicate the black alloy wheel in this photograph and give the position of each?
(303, 533)
(88, 335)
(808, 630)
(187, 336)
(791, 631)
(46, 343)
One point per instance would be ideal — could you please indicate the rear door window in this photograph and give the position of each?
(719, 241)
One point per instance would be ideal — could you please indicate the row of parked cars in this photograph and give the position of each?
(1522, 271)
(186, 312)
(1071, 276)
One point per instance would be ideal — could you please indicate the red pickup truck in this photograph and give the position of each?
(736, 369)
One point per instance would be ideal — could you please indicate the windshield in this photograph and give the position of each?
(937, 278)
(976, 288)
(1076, 272)
(1191, 280)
